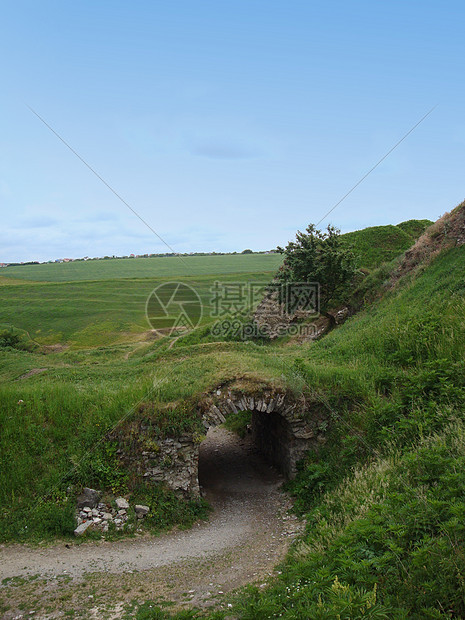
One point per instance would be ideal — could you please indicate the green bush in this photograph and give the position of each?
(13, 338)
(238, 422)
(167, 508)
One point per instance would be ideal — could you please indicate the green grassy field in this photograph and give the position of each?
(161, 267)
(99, 303)
(91, 313)
(384, 497)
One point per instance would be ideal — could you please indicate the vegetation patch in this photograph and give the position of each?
(13, 338)
(380, 244)
(239, 423)
(383, 495)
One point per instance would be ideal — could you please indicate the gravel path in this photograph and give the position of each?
(247, 535)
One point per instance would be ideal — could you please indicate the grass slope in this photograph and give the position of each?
(384, 497)
(414, 228)
(379, 244)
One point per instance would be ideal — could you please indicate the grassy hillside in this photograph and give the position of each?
(379, 244)
(384, 497)
(415, 228)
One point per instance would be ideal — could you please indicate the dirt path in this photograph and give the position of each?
(246, 536)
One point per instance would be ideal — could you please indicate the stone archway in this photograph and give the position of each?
(280, 428)
(282, 431)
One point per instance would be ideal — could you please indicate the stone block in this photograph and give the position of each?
(88, 498)
(141, 510)
(82, 528)
(121, 503)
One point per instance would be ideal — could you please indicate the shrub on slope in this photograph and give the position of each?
(384, 497)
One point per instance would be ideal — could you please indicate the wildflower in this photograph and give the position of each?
(20, 401)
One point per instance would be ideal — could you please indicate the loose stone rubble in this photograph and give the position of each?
(100, 515)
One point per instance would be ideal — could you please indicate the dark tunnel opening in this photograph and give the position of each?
(270, 436)
(231, 467)
(228, 462)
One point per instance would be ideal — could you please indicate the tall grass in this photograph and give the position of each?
(384, 497)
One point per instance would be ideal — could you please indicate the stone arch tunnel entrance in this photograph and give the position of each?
(282, 430)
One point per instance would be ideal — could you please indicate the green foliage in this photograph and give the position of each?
(43, 518)
(239, 422)
(320, 257)
(415, 228)
(102, 469)
(149, 610)
(11, 337)
(313, 478)
(167, 508)
(321, 598)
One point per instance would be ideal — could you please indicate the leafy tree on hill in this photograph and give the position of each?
(319, 256)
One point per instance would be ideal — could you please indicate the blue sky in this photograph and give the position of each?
(226, 125)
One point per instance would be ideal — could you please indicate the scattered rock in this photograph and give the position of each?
(102, 516)
(122, 503)
(82, 528)
(141, 510)
(89, 498)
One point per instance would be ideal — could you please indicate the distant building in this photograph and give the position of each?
(3, 265)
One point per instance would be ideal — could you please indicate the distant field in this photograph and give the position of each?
(163, 267)
(99, 303)
(96, 313)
